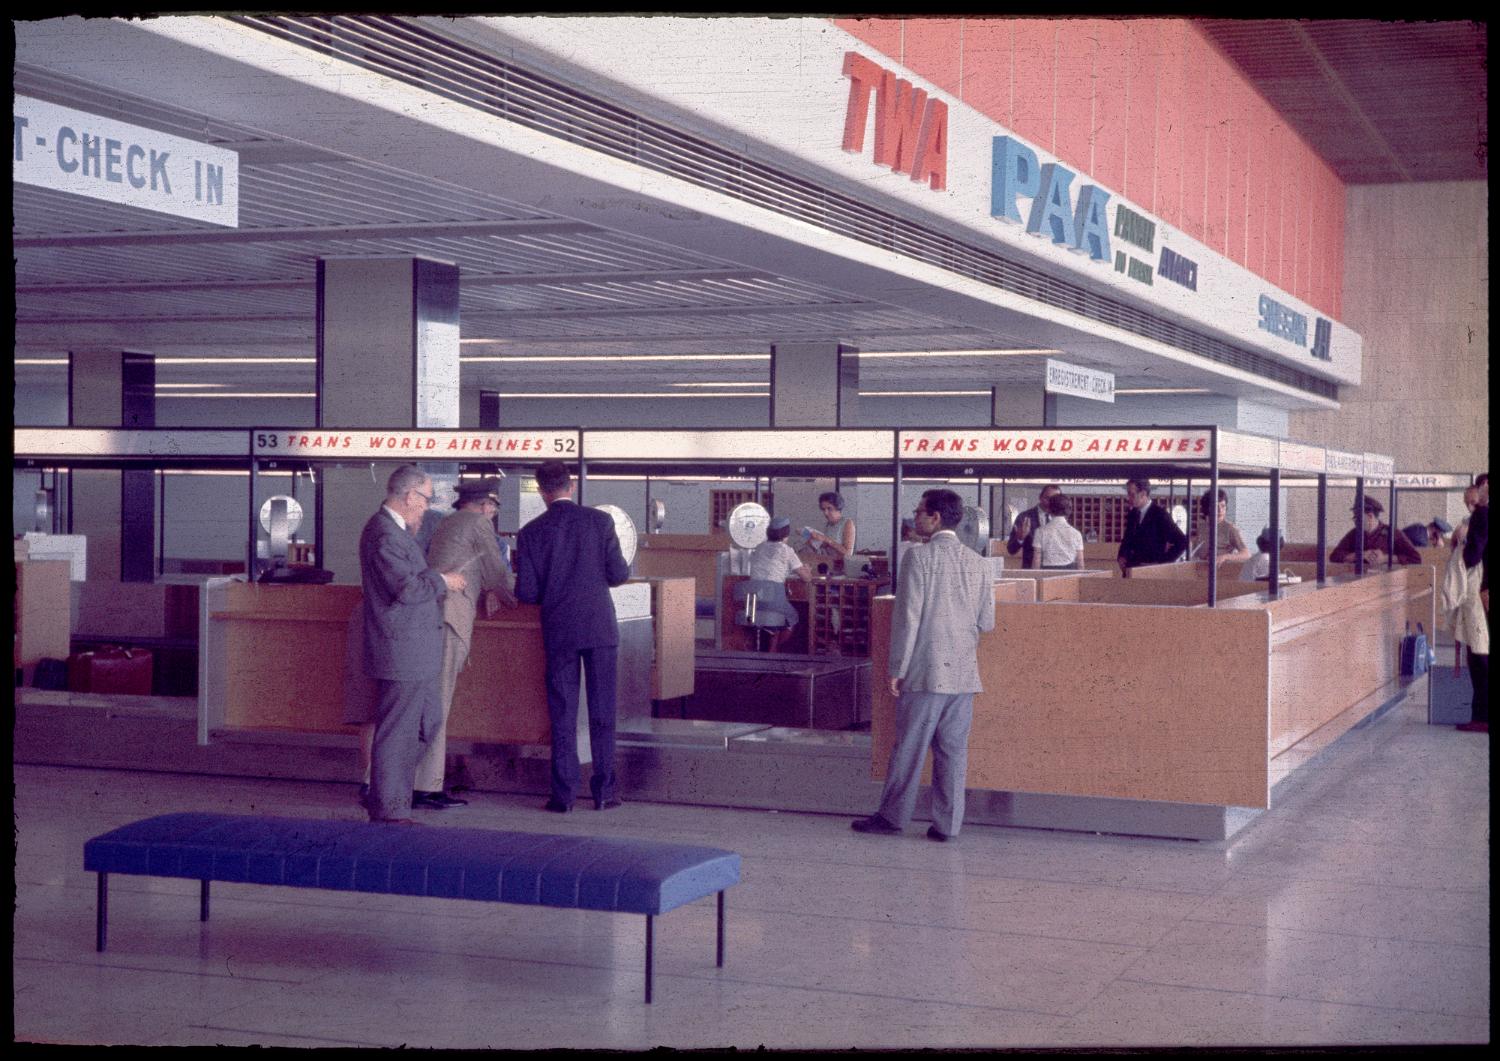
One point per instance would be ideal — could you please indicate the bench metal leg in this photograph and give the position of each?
(101, 913)
(648, 957)
(721, 930)
(203, 901)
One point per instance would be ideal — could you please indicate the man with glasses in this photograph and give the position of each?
(402, 640)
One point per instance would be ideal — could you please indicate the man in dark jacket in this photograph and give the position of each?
(569, 557)
(1377, 539)
(1023, 532)
(1150, 535)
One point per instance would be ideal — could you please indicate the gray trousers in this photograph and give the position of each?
(408, 712)
(939, 721)
(430, 770)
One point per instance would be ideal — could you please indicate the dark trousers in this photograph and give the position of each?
(408, 716)
(598, 665)
(1479, 675)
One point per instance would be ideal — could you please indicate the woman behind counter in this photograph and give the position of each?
(1231, 542)
(835, 543)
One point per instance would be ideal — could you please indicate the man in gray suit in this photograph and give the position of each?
(403, 640)
(945, 601)
(464, 542)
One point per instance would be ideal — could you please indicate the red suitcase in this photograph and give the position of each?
(111, 670)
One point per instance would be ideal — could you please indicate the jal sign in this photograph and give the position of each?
(100, 158)
(1063, 378)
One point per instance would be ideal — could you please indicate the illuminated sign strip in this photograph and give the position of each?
(1057, 444)
(1299, 457)
(306, 443)
(108, 442)
(789, 445)
(1255, 451)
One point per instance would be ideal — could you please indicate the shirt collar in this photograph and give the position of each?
(949, 531)
(395, 516)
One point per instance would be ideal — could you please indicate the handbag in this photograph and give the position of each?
(1416, 654)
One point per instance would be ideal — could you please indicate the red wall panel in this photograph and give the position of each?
(1149, 108)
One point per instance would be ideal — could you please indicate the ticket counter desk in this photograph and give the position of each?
(273, 656)
(1121, 714)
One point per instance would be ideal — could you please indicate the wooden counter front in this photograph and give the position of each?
(694, 556)
(1183, 704)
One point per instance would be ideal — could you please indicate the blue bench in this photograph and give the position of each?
(537, 869)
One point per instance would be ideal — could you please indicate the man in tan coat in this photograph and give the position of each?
(946, 599)
(464, 542)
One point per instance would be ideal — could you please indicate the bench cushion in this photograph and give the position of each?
(586, 872)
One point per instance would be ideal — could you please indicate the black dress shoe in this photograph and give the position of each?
(933, 833)
(556, 807)
(606, 804)
(436, 800)
(873, 824)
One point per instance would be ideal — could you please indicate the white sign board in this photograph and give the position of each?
(71, 151)
(306, 443)
(124, 442)
(1080, 382)
(722, 446)
(1254, 451)
(1377, 464)
(1341, 463)
(1111, 444)
(1300, 457)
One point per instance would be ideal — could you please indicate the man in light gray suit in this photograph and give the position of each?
(403, 640)
(946, 599)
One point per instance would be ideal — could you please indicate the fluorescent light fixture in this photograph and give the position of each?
(189, 386)
(215, 471)
(638, 394)
(1162, 390)
(485, 342)
(236, 360)
(247, 394)
(568, 358)
(41, 361)
(919, 394)
(1017, 352)
(724, 383)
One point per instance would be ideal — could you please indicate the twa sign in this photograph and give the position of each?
(911, 129)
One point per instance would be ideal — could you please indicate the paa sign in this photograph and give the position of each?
(70, 151)
(1015, 172)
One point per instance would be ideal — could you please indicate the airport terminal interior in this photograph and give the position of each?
(754, 280)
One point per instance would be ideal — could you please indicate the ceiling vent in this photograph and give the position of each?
(413, 54)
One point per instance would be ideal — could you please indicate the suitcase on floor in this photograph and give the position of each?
(111, 670)
(1416, 656)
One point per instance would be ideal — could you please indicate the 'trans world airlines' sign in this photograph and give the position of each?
(83, 154)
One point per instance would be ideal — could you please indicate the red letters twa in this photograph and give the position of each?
(911, 130)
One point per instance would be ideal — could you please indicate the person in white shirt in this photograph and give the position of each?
(774, 561)
(1057, 543)
(1259, 565)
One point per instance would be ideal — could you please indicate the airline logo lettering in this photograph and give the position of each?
(1039, 444)
(336, 444)
(911, 128)
(71, 151)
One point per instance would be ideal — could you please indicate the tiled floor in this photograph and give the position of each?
(1356, 911)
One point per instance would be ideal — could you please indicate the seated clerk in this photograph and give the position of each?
(1023, 531)
(1150, 535)
(834, 544)
(1231, 542)
(1259, 565)
(1057, 543)
(1377, 539)
(773, 561)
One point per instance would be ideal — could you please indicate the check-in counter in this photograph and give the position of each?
(1167, 701)
(833, 613)
(42, 614)
(1054, 584)
(273, 658)
(694, 556)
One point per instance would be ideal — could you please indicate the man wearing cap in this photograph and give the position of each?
(1377, 539)
(464, 542)
(568, 558)
(773, 561)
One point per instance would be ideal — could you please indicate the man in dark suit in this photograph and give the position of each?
(569, 557)
(1023, 532)
(1150, 535)
(403, 640)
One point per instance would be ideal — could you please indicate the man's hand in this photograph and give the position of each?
(1023, 526)
(1374, 556)
(1120, 561)
(1484, 600)
(896, 686)
(456, 582)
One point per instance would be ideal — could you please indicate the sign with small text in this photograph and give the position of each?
(1063, 378)
(305, 443)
